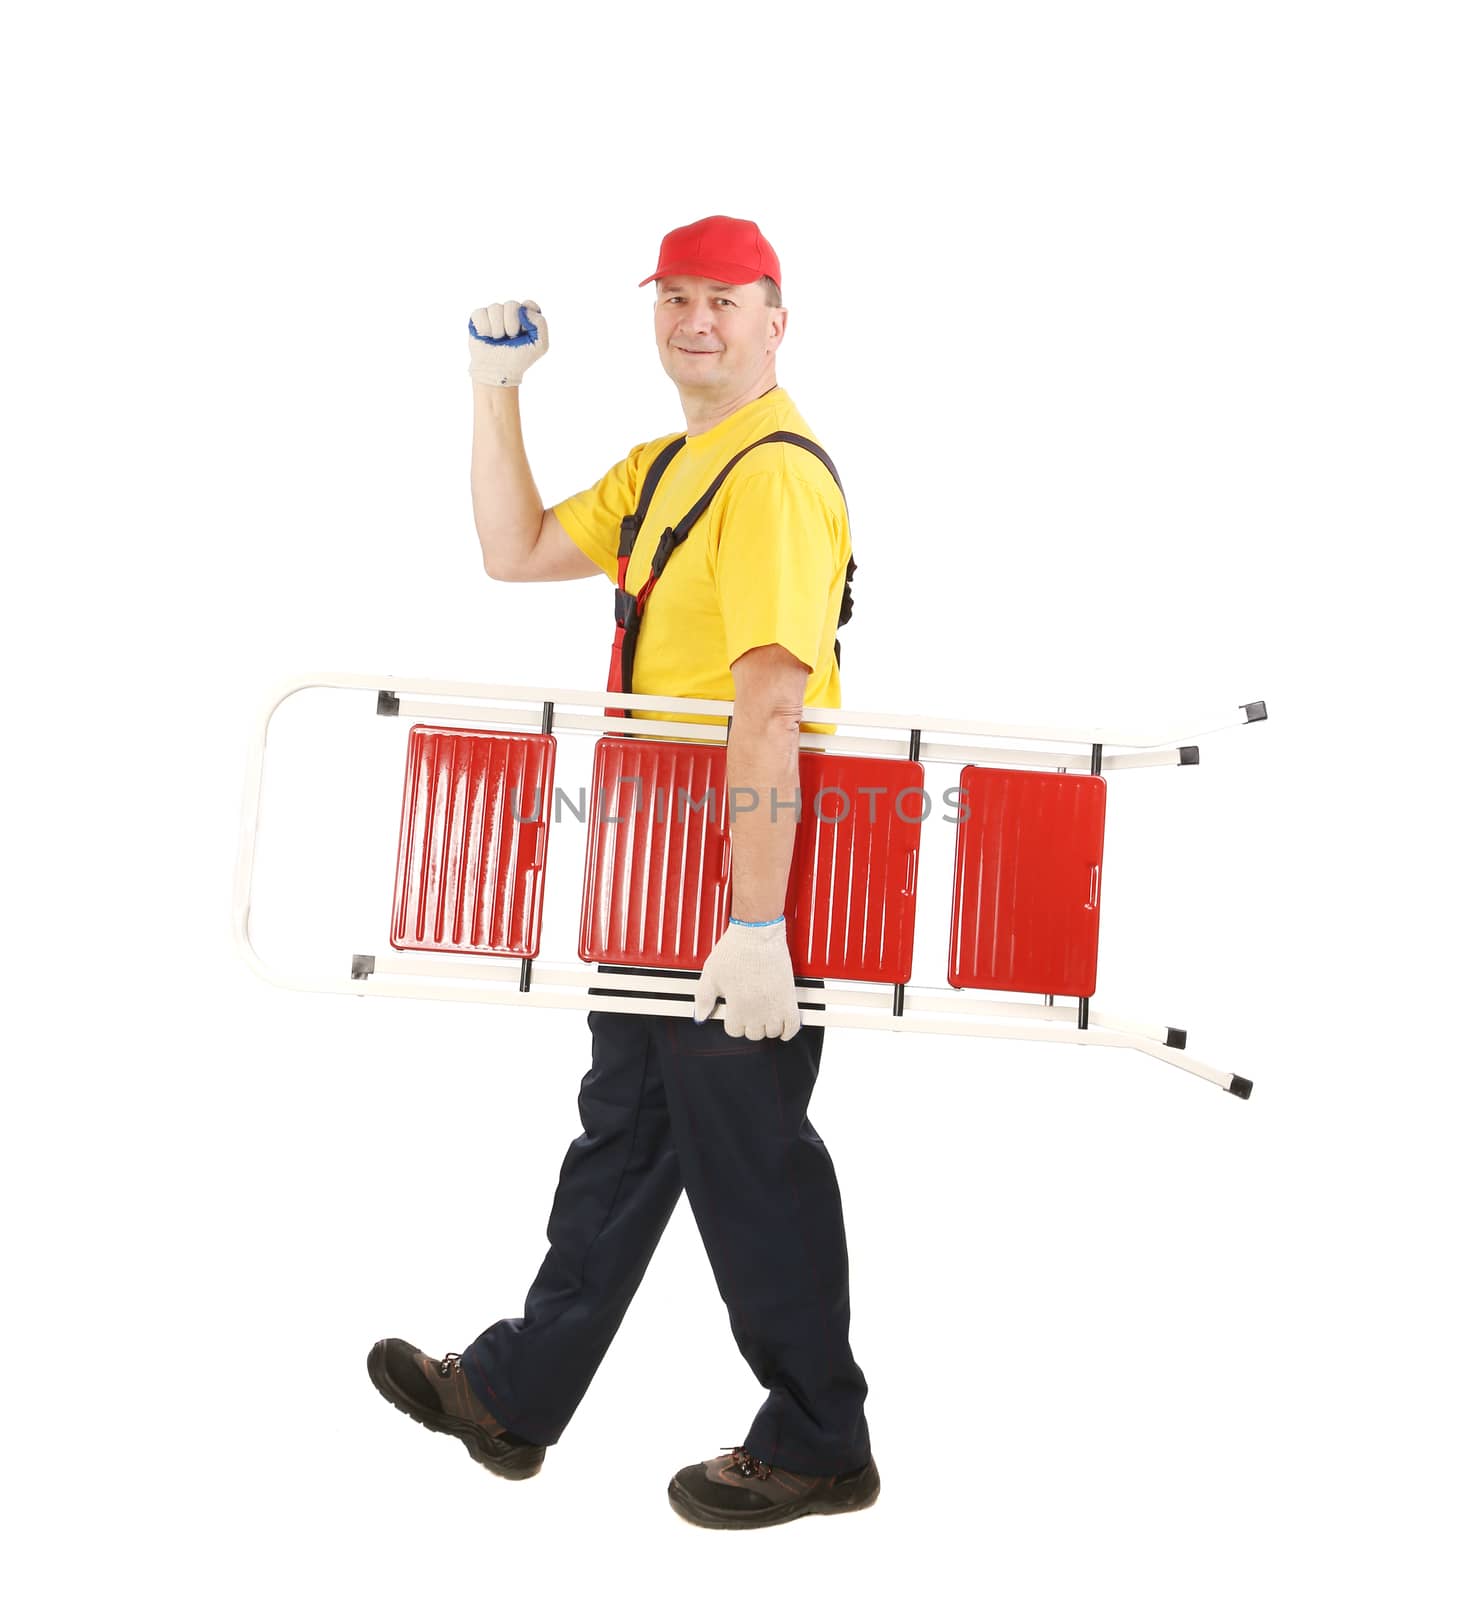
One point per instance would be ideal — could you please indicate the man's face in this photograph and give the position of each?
(715, 336)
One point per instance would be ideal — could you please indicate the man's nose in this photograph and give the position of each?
(695, 319)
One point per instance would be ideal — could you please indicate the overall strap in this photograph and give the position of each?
(629, 609)
(626, 611)
(674, 537)
(629, 527)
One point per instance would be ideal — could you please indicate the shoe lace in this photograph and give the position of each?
(452, 1363)
(747, 1463)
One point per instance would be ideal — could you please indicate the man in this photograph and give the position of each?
(745, 609)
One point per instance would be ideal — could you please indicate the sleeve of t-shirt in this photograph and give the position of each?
(778, 552)
(592, 518)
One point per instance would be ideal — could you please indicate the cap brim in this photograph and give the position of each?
(718, 271)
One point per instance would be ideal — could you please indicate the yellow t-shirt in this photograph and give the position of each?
(765, 564)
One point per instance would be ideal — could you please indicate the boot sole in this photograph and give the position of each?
(505, 1460)
(856, 1496)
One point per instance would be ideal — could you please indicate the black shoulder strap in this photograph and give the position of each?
(629, 528)
(689, 521)
(673, 537)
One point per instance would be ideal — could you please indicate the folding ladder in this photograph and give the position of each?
(480, 792)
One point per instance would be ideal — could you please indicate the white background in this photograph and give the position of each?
(1141, 337)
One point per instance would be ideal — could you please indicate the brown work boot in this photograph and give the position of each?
(735, 1490)
(438, 1394)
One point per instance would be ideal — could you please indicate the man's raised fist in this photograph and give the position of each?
(506, 339)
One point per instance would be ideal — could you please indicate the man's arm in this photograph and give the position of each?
(750, 966)
(762, 756)
(520, 541)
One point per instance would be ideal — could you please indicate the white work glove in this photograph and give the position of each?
(751, 970)
(502, 348)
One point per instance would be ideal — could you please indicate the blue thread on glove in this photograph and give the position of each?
(527, 336)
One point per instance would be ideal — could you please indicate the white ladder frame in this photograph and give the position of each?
(486, 980)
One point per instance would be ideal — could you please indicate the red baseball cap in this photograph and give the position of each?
(725, 248)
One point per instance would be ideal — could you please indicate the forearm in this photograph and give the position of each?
(762, 759)
(504, 499)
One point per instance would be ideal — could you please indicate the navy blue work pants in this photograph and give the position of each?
(671, 1104)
